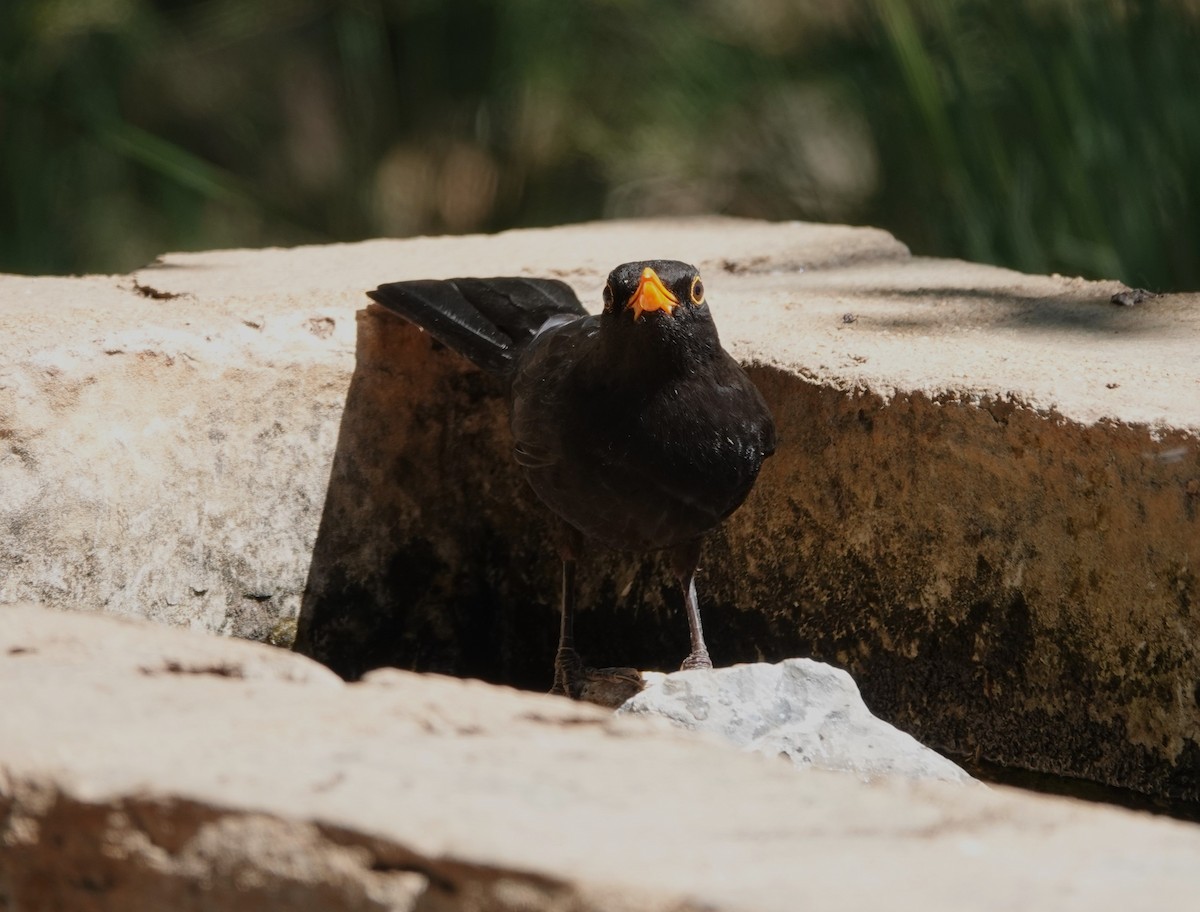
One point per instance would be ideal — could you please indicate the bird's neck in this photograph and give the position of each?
(659, 352)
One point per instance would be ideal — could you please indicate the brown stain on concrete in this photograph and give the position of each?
(1001, 582)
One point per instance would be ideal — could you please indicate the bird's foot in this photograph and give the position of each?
(698, 659)
(568, 674)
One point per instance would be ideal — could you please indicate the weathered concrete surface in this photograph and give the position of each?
(143, 768)
(984, 505)
(808, 712)
(165, 458)
(168, 435)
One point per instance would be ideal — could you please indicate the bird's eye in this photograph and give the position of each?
(697, 292)
(608, 297)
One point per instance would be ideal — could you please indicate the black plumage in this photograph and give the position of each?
(635, 426)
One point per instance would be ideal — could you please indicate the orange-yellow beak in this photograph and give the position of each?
(651, 294)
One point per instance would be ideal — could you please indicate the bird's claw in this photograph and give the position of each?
(698, 659)
(568, 670)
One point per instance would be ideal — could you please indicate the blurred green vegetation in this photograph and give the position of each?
(1046, 135)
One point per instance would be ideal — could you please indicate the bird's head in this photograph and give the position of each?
(654, 290)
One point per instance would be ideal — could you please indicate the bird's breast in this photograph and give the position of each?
(641, 459)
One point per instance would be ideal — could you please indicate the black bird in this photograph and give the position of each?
(635, 427)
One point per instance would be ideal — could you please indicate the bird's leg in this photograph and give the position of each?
(568, 667)
(684, 561)
(698, 657)
(567, 664)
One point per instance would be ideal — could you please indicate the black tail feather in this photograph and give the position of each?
(488, 321)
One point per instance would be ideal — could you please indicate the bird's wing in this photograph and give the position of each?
(489, 321)
(540, 390)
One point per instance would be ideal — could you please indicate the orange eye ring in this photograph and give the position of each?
(697, 291)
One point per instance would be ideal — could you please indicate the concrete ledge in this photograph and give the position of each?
(984, 505)
(147, 768)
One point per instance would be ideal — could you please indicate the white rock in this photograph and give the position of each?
(806, 711)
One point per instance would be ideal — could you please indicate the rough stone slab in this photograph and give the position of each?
(162, 459)
(131, 791)
(168, 436)
(809, 712)
(984, 505)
